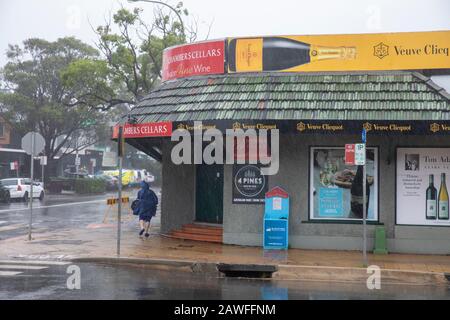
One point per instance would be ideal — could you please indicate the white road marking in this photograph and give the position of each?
(44, 262)
(55, 205)
(13, 227)
(21, 267)
(9, 273)
(42, 257)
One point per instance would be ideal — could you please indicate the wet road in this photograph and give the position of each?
(56, 212)
(47, 280)
(142, 282)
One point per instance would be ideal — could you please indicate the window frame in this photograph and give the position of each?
(313, 219)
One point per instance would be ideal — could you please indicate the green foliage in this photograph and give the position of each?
(57, 184)
(39, 99)
(91, 80)
(65, 89)
(135, 65)
(90, 186)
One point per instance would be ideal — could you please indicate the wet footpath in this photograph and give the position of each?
(94, 237)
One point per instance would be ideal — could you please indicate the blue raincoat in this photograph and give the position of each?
(148, 201)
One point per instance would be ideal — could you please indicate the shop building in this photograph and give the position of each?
(12, 158)
(405, 114)
(314, 112)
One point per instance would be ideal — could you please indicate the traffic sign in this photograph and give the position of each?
(77, 161)
(14, 165)
(360, 154)
(33, 147)
(43, 160)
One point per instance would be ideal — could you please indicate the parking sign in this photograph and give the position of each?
(360, 154)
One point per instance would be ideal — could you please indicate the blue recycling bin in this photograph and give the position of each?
(276, 219)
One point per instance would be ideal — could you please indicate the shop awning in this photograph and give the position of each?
(336, 96)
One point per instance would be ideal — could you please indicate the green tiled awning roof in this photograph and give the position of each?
(281, 96)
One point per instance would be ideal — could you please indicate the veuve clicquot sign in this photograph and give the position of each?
(309, 53)
(279, 54)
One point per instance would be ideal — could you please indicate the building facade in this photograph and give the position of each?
(407, 118)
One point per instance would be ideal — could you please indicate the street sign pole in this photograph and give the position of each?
(42, 170)
(364, 141)
(364, 216)
(77, 166)
(30, 198)
(32, 143)
(119, 205)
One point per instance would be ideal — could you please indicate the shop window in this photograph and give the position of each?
(422, 181)
(336, 188)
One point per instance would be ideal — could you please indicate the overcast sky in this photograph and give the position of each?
(50, 19)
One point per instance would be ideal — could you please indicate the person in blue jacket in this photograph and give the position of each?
(146, 209)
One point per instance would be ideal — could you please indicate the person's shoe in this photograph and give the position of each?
(141, 232)
(147, 235)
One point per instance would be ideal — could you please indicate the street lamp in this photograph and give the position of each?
(164, 4)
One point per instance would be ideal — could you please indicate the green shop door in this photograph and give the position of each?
(209, 193)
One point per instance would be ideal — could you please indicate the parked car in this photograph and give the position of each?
(111, 182)
(19, 188)
(5, 195)
(127, 176)
(76, 175)
(143, 175)
(131, 177)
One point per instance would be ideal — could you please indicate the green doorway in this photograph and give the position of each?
(209, 193)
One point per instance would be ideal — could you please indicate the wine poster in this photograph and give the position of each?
(422, 186)
(336, 189)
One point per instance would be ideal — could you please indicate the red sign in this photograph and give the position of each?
(193, 60)
(244, 152)
(143, 130)
(349, 154)
(277, 192)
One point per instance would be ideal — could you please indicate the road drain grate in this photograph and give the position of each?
(246, 270)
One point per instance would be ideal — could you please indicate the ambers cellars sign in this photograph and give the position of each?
(143, 130)
(194, 59)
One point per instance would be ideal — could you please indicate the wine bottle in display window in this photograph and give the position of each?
(431, 204)
(443, 199)
(356, 193)
(277, 53)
